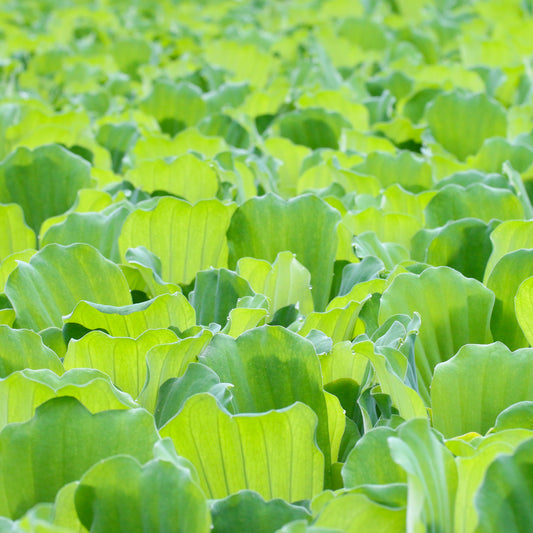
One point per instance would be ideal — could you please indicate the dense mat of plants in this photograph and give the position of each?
(266, 266)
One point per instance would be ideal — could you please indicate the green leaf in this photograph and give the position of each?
(57, 278)
(509, 236)
(59, 444)
(174, 392)
(343, 363)
(44, 182)
(221, 125)
(370, 461)
(505, 500)
(21, 349)
(238, 511)
(389, 227)
(338, 323)
(285, 282)
(460, 122)
(263, 227)
(121, 495)
(469, 390)
(175, 106)
(118, 139)
(504, 280)
(186, 176)
(167, 361)
(472, 469)
(133, 320)
(523, 308)
(408, 402)
(15, 236)
(454, 310)
(216, 293)
(312, 127)
(367, 244)
(186, 238)
(463, 245)
(129, 53)
(478, 200)
(405, 169)
(273, 453)
(353, 512)
(10, 263)
(97, 229)
(122, 359)
(23, 391)
(302, 526)
(518, 415)
(431, 476)
(65, 514)
(242, 319)
(496, 151)
(271, 368)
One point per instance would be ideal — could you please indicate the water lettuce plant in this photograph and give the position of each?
(266, 265)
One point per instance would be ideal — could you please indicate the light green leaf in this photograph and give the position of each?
(496, 151)
(20, 349)
(175, 106)
(167, 361)
(478, 200)
(272, 453)
(119, 495)
(397, 200)
(523, 308)
(472, 469)
(242, 319)
(285, 282)
(353, 512)
(99, 230)
(15, 235)
(291, 156)
(186, 238)
(405, 169)
(186, 176)
(59, 444)
(10, 263)
(518, 415)
(389, 227)
(129, 53)
(368, 244)
(122, 359)
(23, 391)
(44, 182)
(263, 227)
(431, 477)
(343, 363)
(505, 499)
(469, 390)
(408, 402)
(504, 280)
(370, 461)
(133, 320)
(460, 122)
(57, 278)
(175, 392)
(339, 323)
(509, 236)
(271, 368)
(65, 514)
(454, 310)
